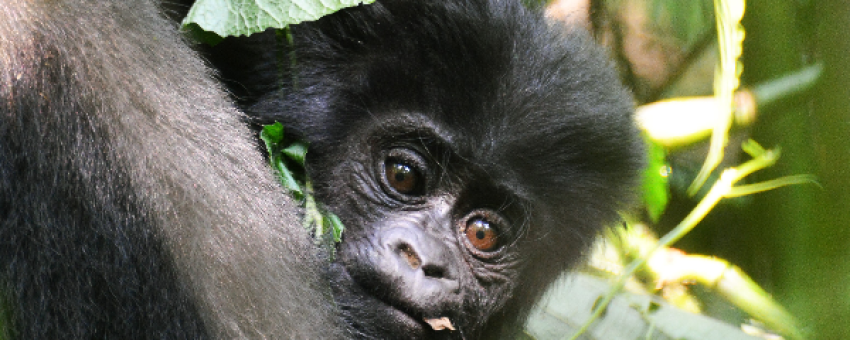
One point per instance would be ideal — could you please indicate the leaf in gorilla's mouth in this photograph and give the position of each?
(440, 324)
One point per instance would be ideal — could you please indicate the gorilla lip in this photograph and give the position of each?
(411, 321)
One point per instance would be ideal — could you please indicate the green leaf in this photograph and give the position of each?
(287, 157)
(336, 226)
(245, 17)
(272, 133)
(655, 178)
(297, 151)
(273, 136)
(287, 179)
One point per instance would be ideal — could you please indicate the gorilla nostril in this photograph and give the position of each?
(410, 255)
(433, 271)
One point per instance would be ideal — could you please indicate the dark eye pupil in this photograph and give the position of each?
(399, 176)
(479, 234)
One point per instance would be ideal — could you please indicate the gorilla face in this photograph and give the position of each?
(430, 233)
(447, 221)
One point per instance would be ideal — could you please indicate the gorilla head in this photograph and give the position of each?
(471, 150)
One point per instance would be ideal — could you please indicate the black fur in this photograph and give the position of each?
(134, 202)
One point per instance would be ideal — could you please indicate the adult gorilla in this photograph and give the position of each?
(132, 201)
(471, 150)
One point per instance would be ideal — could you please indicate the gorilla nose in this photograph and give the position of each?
(431, 269)
(423, 264)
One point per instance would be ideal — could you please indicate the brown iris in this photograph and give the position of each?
(481, 235)
(402, 178)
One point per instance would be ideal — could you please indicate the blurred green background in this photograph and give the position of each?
(793, 241)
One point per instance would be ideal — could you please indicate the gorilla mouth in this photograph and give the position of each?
(363, 309)
(405, 319)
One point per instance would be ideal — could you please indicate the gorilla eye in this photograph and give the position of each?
(403, 178)
(481, 234)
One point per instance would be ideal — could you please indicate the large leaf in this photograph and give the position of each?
(244, 17)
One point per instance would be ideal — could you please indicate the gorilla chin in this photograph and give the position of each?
(371, 317)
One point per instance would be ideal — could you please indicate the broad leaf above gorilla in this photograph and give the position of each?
(471, 150)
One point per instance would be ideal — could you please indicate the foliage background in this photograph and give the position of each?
(793, 241)
(796, 240)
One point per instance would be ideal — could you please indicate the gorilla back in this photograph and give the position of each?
(133, 203)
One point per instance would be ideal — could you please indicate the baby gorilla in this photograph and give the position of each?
(471, 149)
